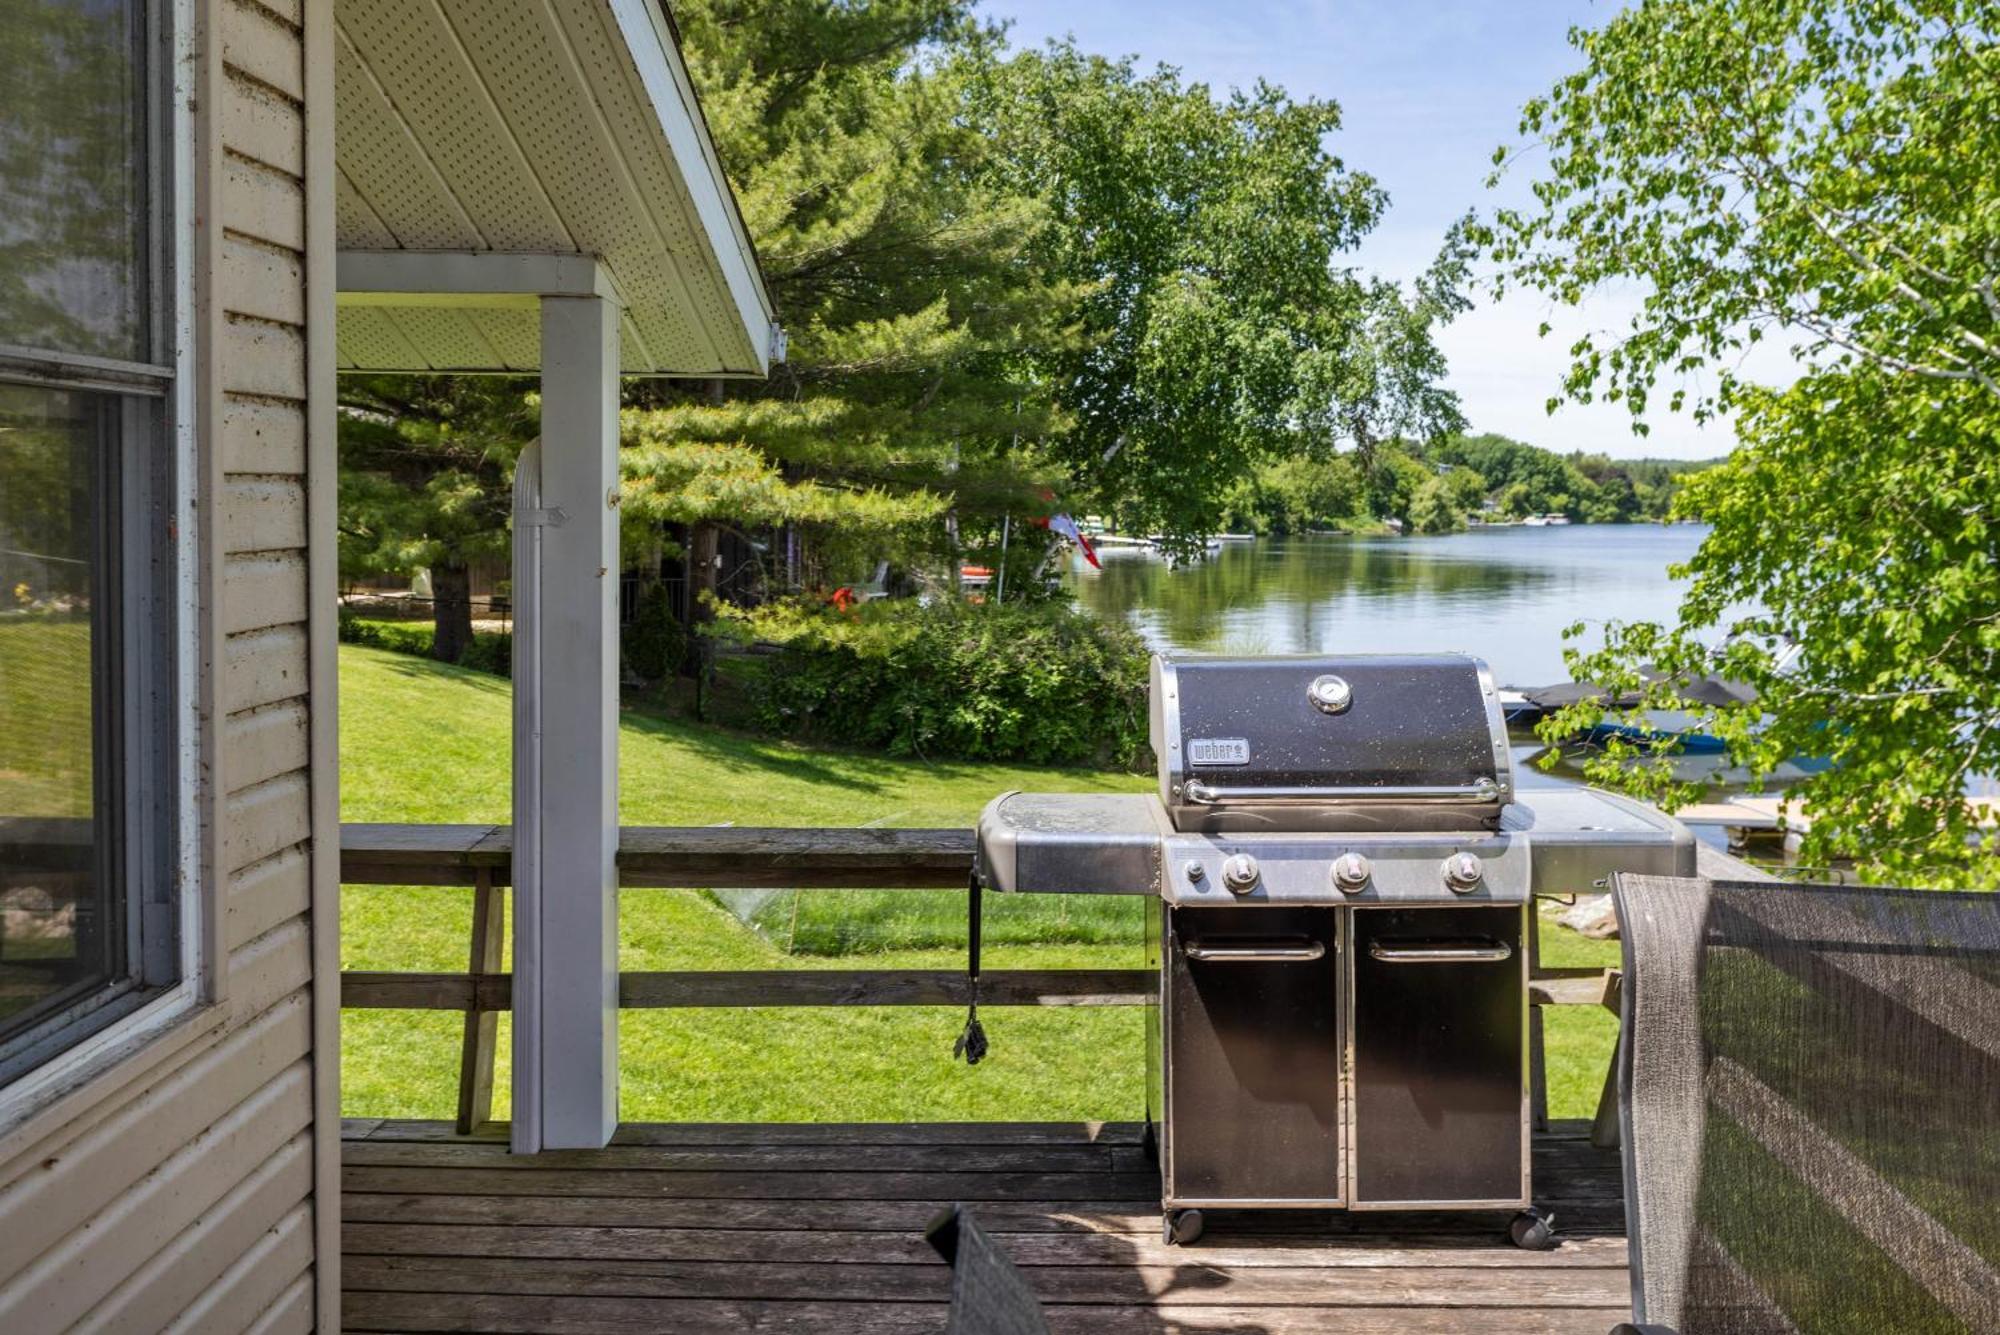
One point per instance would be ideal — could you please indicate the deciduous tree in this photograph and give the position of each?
(1205, 235)
(1824, 172)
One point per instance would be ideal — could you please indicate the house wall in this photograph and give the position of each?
(177, 1190)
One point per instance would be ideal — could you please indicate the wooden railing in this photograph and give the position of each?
(732, 858)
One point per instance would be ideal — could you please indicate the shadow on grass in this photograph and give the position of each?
(792, 760)
(862, 773)
(811, 762)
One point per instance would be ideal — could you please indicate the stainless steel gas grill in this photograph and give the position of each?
(1340, 874)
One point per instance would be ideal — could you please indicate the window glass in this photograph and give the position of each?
(62, 927)
(72, 185)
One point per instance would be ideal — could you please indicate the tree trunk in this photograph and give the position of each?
(704, 540)
(451, 605)
(704, 545)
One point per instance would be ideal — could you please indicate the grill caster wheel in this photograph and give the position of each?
(1149, 1145)
(1533, 1230)
(1183, 1227)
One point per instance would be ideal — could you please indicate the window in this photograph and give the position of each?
(89, 883)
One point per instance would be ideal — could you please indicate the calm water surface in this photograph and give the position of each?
(1505, 594)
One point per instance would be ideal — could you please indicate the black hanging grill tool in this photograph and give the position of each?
(971, 1043)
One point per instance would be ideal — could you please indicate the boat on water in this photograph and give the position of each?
(1545, 521)
(1657, 730)
(1527, 706)
(1677, 732)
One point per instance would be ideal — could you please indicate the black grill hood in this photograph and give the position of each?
(1333, 742)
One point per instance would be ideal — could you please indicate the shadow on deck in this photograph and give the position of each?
(818, 1228)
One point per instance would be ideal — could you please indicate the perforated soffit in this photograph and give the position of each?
(526, 125)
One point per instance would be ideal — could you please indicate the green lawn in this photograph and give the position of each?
(420, 742)
(45, 768)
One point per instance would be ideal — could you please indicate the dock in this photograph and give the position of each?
(1759, 814)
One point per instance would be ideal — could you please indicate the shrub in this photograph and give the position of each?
(1041, 682)
(489, 652)
(655, 644)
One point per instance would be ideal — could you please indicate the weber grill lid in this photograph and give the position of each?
(1337, 742)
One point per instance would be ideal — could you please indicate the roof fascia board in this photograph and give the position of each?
(656, 56)
(467, 278)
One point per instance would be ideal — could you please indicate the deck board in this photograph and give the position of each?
(809, 1228)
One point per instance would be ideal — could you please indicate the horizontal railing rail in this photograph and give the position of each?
(768, 987)
(733, 858)
(718, 857)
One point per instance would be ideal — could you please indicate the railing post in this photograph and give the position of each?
(1538, 1065)
(482, 1027)
(1604, 1127)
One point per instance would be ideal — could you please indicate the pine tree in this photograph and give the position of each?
(900, 271)
(426, 475)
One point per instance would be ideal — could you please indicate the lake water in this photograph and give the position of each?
(1505, 594)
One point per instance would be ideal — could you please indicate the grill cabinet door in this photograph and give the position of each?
(1439, 1080)
(1253, 1048)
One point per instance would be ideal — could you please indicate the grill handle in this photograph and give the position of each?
(1440, 952)
(1294, 951)
(1479, 790)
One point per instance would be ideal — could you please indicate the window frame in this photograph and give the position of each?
(155, 854)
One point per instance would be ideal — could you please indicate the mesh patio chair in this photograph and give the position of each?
(1809, 1096)
(988, 1295)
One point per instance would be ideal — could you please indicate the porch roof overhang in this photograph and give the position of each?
(528, 128)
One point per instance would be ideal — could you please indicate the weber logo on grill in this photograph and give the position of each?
(1218, 751)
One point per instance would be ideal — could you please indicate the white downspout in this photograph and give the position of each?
(527, 970)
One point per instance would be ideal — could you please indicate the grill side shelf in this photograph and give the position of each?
(1071, 843)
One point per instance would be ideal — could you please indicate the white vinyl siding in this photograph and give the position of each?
(185, 1201)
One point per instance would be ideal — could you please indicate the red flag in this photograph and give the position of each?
(1066, 526)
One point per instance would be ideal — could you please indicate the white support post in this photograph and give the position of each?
(566, 928)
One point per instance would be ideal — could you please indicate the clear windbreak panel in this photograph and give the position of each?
(782, 1053)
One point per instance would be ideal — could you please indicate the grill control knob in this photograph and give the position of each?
(1350, 873)
(1462, 872)
(1239, 873)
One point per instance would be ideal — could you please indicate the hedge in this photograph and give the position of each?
(1036, 682)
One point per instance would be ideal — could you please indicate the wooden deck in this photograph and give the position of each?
(690, 1228)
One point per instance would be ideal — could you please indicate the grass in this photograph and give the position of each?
(424, 743)
(45, 775)
(45, 763)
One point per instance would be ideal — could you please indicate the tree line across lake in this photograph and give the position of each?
(1442, 486)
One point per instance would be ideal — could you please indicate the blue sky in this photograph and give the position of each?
(1427, 88)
